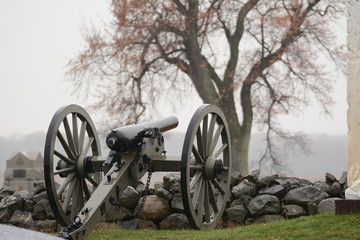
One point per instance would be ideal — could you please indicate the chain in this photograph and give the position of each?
(145, 194)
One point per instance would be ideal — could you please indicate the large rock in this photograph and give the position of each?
(290, 183)
(177, 203)
(327, 205)
(237, 213)
(236, 178)
(335, 189)
(175, 221)
(129, 198)
(244, 188)
(21, 219)
(42, 210)
(294, 211)
(172, 182)
(115, 213)
(40, 196)
(155, 208)
(12, 203)
(39, 186)
(329, 178)
(162, 192)
(6, 191)
(5, 215)
(322, 185)
(253, 176)
(264, 204)
(277, 191)
(302, 196)
(266, 182)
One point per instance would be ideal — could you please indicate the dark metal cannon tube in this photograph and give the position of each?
(128, 138)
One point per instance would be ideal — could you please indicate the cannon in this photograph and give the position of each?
(82, 185)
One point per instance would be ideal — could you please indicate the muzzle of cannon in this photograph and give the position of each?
(82, 185)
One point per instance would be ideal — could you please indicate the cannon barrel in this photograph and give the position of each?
(127, 138)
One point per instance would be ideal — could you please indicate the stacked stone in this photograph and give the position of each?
(259, 200)
(28, 210)
(253, 200)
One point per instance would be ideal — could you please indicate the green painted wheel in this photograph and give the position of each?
(71, 141)
(206, 167)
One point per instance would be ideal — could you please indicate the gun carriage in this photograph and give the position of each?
(82, 184)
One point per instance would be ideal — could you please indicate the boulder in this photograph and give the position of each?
(21, 219)
(290, 183)
(12, 203)
(5, 215)
(177, 204)
(343, 178)
(294, 211)
(322, 185)
(129, 198)
(172, 182)
(335, 189)
(268, 218)
(253, 176)
(242, 200)
(327, 205)
(115, 213)
(175, 221)
(302, 196)
(39, 186)
(162, 192)
(237, 213)
(155, 208)
(236, 178)
(244, 188)
(266, 182)
(6, 191)
(276, 190)
(40, 196)
(330, 178)
(264, 204)
(42, 210)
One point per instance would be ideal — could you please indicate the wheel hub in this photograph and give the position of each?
(80, 166)
(213, 168)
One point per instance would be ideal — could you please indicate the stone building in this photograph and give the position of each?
(22, 169)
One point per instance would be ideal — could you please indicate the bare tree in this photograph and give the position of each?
(256, 59)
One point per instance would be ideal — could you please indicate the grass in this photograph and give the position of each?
(320, 227)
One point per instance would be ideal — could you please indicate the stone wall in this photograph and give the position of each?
(253, 200)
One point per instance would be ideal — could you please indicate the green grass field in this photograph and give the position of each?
(320, 227)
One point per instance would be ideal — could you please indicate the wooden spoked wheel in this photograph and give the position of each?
(206, 167)
(71, 142)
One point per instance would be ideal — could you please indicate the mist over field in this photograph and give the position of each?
(328, 153)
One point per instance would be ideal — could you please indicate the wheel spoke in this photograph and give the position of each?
(218, 152)
(68, 179)
(215, 139)
(205, 134)
(197, 155)
(65, 145)
(82, 135)
(86, 190)
(196, 192)
(200, 144)
(64, 170)
(210, 134)
(212, 198)
(200, 203)
(87, 146)
(76, 199)
(91, 180)
(65, 159)
(75, 132)
(218, 186)
(206, 202)
(69, 135)
(68, 195)
(195, 179)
